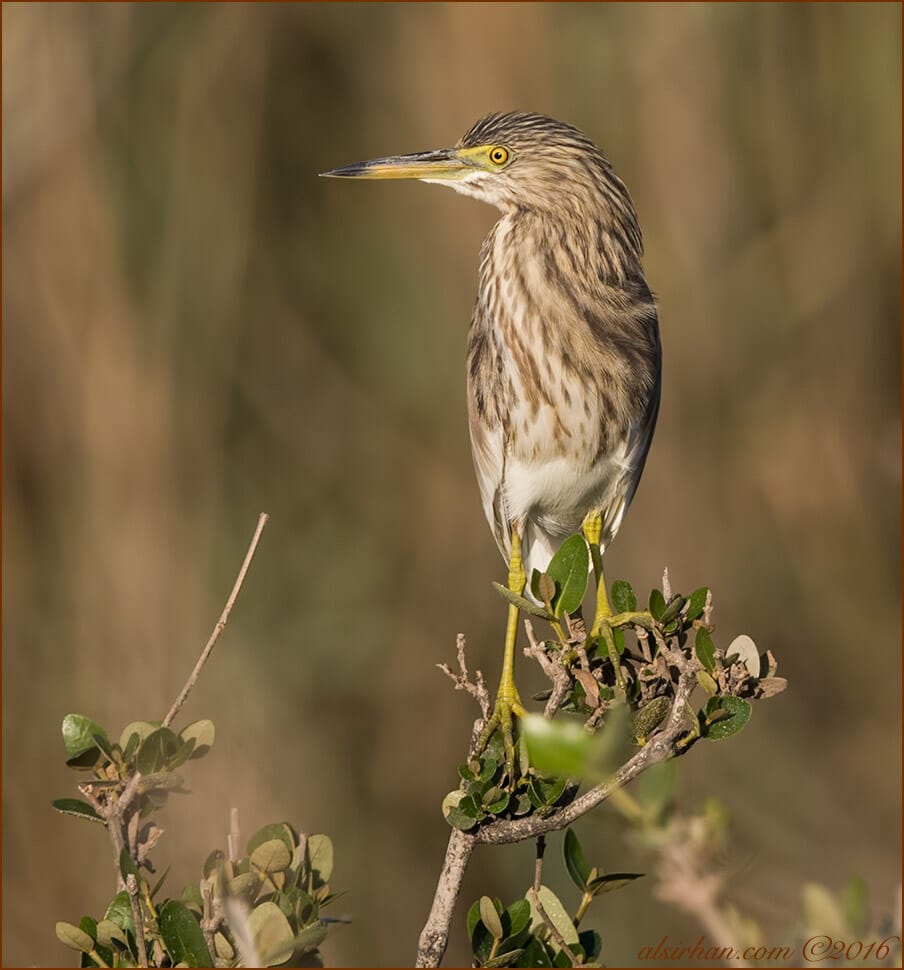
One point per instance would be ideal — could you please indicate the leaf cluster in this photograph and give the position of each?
(537, 930)
(260, 909)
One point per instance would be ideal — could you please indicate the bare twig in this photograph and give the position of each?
(220, 624)
(554, 670)
(132, 890)
(462, 680)
(234, 838)
(538, 863)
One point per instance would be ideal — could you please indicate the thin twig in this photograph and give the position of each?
(553, 668)
(138, 919)
(462, 680)
(538, 863)
(435, 934)
(220, 624)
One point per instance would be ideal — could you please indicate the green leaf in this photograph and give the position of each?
(86, 760)
(705, 650)
(453, 813)
(516, 918)
(111, 935)
(272, 856)
(277, 830)
(273, 938)
(556, 748)
(120, 911)
(138, 730)
(724, 716)
(507, 959)
(695, 604)
(74, 937)
(182, 935)
(657, 604)
(490, 917)
(745, 650)
(623, 598)
(535, 954)
(75, 806)
(156, 751)
(496, 800)
(612, 881)
(575, 862)
(320, 856)
(202, 733)
(591, 943)
(570, 568)
(706, 681)
(522, 602)
(78, 736)
(311, 936)
(557, 914)
(673, 608)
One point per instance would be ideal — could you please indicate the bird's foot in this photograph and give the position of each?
(508, 706)
(604, 625)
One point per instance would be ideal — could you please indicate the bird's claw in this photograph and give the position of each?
(508, 707)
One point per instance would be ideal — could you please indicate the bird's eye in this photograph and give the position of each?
(499, 155)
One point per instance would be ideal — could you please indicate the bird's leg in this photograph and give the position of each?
(508, 701)
(604, 621)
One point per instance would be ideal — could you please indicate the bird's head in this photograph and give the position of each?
(515, 160)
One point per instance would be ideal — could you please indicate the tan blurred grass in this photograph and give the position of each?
(197, 329)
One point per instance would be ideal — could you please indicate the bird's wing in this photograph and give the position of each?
(488, 451)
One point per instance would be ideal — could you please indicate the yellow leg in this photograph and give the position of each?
(602, 625)
(508, 702)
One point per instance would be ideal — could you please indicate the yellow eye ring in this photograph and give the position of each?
(499, 155)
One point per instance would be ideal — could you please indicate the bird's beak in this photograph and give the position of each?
(447, 164)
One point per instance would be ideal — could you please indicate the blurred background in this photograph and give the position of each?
(196, 329)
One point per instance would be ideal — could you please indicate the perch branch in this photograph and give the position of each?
(663, 745)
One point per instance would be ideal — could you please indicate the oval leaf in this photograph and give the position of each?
(74, 806)
(272, 856)
(202, 733)
(695, 603)
(725, 716)
(78, 734)
(156, 750)
(570, 569)
(557, 914)
(705, 650)
(575, 862)
(490, 917)
(74, 937)
(746, 652)
(320, 856)
(273, 938)
(623, 597)
(182, 935)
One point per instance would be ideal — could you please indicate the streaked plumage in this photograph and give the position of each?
(563, 351)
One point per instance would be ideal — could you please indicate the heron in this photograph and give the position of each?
(564, 363)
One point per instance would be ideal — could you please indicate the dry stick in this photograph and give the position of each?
(218, 629)
(116, 815)
(661, 747)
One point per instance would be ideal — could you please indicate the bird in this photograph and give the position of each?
(564, 361)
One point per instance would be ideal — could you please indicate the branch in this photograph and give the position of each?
(220, 624)
(435, 935)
